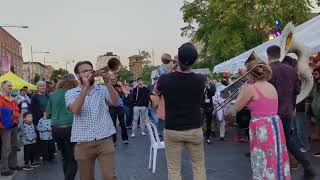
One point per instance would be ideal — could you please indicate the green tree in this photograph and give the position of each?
(228, 27)
(124, 74)
(145, 58)
(56, 74)
(146, 74)
(36, 78)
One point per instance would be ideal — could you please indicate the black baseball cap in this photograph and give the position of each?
(187, 54)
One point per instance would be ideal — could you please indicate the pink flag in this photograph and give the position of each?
(5, 63)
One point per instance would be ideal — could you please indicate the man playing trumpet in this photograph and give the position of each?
(92, 127)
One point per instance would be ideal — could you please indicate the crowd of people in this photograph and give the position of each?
(79, 118)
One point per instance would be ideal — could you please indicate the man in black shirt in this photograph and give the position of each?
(183, 93)
(286, 81)
(209, 91)
(140, 97)
(118, 112)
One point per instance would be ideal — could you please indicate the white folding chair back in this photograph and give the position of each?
(156, 144)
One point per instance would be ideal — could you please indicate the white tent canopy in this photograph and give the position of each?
(307, 33)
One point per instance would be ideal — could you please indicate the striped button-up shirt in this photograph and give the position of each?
(94, 121)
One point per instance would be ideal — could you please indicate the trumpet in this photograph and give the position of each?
(113, 65)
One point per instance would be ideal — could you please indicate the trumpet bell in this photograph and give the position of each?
(114, 65)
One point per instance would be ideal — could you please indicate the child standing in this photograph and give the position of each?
(29, 139)
(46, 140)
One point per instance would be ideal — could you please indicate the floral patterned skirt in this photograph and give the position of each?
(269, 156)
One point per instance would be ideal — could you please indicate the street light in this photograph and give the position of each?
(24, 27)
(36, 52)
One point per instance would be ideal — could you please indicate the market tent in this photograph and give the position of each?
(307, 34)
(17, 83)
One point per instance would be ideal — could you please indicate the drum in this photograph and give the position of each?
(243, 118)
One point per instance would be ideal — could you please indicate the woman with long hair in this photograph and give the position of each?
(62, 122)
(269, 156)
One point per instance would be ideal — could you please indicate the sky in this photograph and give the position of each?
(84, 29)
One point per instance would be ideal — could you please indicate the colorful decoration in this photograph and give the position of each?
(226, 74)
(277, 32)
(314, 61)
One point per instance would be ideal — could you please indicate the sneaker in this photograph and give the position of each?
(143, 134)
(27, 168)
(35, 165)
(303, 150)
(316, 154)
(7, 173)
(309, 173)
(208, 141)
(133, 135)
(222, 139)
(16, 168)
(126, 142)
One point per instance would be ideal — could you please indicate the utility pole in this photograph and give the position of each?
(152, 52)
(31, 70)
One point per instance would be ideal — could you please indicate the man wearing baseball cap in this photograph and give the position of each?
(183, 91)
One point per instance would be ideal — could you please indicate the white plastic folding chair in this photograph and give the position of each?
(155, 145)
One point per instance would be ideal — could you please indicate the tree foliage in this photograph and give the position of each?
(229, 27)
(124, 74)
(145, 58)
(36, 78)
(146, 74)
(56, 74)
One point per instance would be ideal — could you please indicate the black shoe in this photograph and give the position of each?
(317, 154)
(309, 173)
(16, 168)
(247, 154)
(7, 173)
(213, 134)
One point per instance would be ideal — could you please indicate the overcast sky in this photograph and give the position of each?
(84, 29)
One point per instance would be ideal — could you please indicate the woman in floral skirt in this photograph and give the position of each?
(269, 156)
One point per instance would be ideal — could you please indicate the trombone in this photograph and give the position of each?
(231, 92)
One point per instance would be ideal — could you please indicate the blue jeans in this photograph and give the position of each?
(153, 115)
(128, 113)
(299, 130)
(292, 144)
(161, 126)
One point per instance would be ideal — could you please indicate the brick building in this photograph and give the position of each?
(10, 54)
(30, 69)
(103, 60)
(135, 65)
